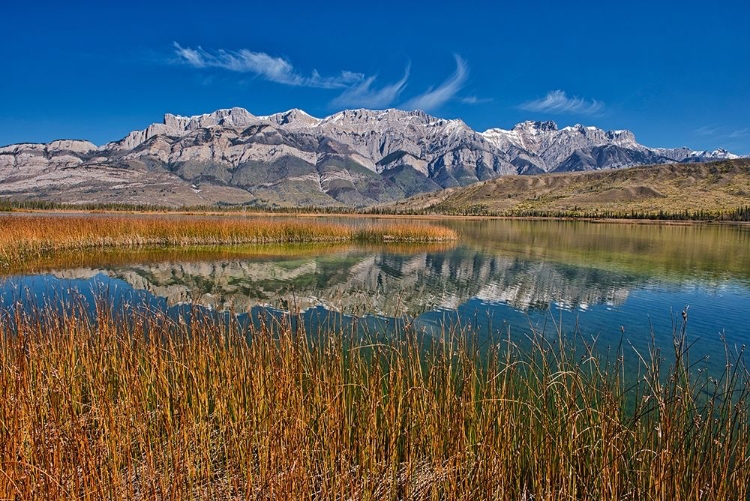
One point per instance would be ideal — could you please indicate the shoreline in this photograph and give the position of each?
(314, 215)
(36, 235)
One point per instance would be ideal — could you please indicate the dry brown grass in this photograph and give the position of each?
(673, 188)
(103, 258)
(146, 407)
(30, 237)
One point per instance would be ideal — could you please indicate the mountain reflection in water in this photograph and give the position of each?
(600, 279)
(378, 283)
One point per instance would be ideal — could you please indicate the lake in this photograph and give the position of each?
(616, 283)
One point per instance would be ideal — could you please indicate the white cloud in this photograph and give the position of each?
(740, 133)
(475, 100)
(362, 95)
(274, 69)
(358, 89)
(190, 56)
(707, 130)
(557, 101)
(435, 98)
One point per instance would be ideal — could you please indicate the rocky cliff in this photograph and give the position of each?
(354, 158)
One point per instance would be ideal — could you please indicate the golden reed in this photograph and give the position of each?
(27, 237)
(136, 405)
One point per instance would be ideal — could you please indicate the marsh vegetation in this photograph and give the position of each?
(30, 237)
(138, 405)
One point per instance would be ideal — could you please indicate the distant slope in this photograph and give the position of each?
(672, 188)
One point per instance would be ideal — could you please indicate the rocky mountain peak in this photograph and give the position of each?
(620, 134)
(294, 116)
(74, 145)
(536, 126)
(719, 153)
(231, 117)
(622, 138)
(583, 130)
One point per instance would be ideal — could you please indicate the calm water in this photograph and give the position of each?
(598, 279)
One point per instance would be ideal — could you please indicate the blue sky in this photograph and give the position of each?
(675, 73)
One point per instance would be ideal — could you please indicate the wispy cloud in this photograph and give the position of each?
(357, 89)
(274, 69)
(707, 130)
(475, 100)
(740, 133)
(363, 95)
(435, 97)
(557, 101)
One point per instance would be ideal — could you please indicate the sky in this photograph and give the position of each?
(675, 73)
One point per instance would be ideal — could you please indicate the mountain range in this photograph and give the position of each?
(352, 158)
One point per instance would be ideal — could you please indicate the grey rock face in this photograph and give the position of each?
(355, 157)
(578, 148)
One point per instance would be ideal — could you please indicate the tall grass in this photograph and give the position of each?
(23, 238)
(139, 406)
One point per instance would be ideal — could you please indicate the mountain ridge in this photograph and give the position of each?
(710, 187)
(354, 157)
